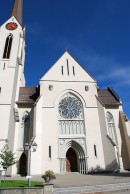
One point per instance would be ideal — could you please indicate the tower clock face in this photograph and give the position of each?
(70, 108)
(11, 26)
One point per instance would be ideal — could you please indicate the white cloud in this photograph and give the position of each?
(119, 76)
(108, 69)
(123, 83)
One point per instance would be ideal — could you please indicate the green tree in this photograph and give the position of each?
(7, 157)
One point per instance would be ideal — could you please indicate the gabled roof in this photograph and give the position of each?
(28, 95)
(17, 10)
(66, 68)
(108, 97)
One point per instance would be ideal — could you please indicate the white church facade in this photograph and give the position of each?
(77, 126)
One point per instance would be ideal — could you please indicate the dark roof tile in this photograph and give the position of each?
(108, 98)
(28, 95)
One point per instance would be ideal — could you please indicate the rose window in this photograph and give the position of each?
(70, 107)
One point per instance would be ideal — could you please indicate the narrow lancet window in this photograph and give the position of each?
(62, 70)
(73, 71)
(67, 66)
(4, 66)
(8, 45)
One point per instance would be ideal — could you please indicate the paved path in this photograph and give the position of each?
(78, 180)
(93, 189)
(75, 183)
(125, 192)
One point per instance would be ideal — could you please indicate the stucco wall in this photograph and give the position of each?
(51, 98)
(125, 146)
(108, 148)
(47, 128)
(93, 137)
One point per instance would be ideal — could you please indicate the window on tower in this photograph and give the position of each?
(8, 45)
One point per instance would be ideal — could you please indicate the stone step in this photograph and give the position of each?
(93, 189)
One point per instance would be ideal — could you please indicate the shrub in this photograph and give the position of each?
(49, 175)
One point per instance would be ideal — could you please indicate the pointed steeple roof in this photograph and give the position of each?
(17, 10)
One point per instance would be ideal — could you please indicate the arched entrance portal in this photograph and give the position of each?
(23, 165)
(81, 159)
(72, 155)
(71, 161)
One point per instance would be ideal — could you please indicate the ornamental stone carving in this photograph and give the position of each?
(65, 144)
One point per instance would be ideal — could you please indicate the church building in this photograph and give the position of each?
(77, 126)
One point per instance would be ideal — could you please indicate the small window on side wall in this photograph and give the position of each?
(50, 152)
(95, 151)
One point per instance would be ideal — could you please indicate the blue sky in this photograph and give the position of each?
(95, 32)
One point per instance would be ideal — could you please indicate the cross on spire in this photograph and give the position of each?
(17, 10)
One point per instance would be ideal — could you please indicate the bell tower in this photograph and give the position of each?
(12, 56)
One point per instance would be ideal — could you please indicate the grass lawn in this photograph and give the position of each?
(19, 183)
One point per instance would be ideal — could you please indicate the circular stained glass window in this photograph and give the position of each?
(70, 107)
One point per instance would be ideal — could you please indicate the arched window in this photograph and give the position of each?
(23, 165)
(71, 117)
(8, 45)
(111, 127)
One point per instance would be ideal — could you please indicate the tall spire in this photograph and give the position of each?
(17, 10)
